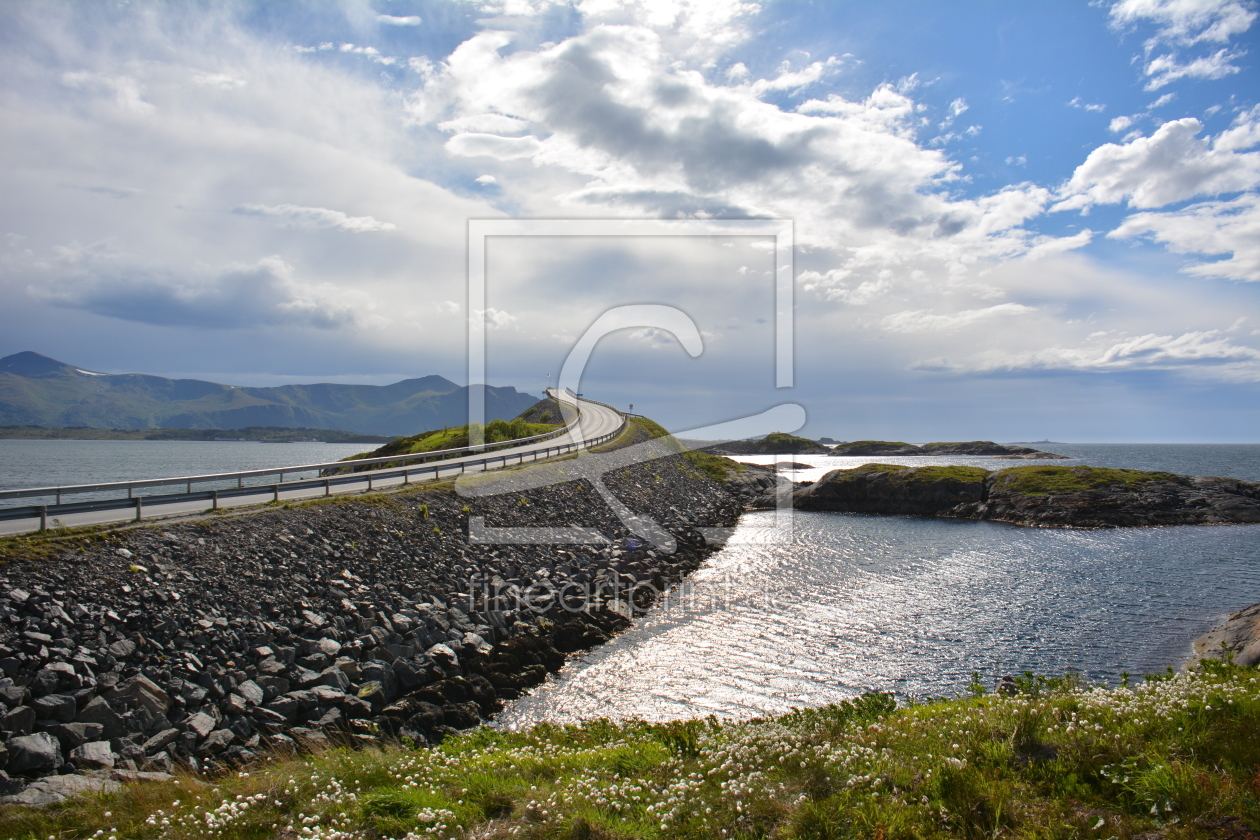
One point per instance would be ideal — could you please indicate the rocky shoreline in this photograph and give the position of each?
(1238, 637)
(207, 643)
(1042, 496)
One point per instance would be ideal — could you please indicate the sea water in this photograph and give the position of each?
(853, 603)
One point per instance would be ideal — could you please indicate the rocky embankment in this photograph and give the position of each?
(1237, 636)
(1079, 497)
(207, 643)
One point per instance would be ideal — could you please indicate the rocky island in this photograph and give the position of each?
(1078, 497)
(975, 447)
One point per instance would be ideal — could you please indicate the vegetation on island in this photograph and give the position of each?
(1176, 756)
(1043, 481)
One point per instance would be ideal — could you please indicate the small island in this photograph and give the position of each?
(1045, 496)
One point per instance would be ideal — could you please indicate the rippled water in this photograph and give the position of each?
(50, 463)
(856, 603)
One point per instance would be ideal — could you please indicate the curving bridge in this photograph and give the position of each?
(99, 504)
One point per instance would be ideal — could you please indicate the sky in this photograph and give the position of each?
(1011, 221)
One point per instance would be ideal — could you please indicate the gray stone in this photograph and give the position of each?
(141, 776)
(20, 721)
(329, 647)
(38, 753)
(408, 674)
(72, 735)
(218, 740)
(56, 789)
(252, 692)
(334, 678)
(94, 755)
(160, 740)
(146, 693)
(13, 695)
(200, 724)
(99, 711)
(122, 649)
(273, 687)
(56, 707)
(443, 655)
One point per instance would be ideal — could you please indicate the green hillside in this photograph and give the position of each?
(37, 390)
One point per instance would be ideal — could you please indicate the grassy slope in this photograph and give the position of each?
(1055, 761)
(456, 437)
(1041, 481)
(715, 467)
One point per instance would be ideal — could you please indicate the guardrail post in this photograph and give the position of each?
(406, 475)
(275, 492)
(43, 517)
(139, 508)
(214, 499)
(58, 495)
(327, 486)
(369, 482)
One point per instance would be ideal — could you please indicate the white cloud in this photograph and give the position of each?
(219, 81)
(317, 218)
(628, 128)
(472, 144)
(391, 20)
(1183, 24)
(1166, 69)
(1186, 22)
(1162, 101)
(1077, 102)
(486, 179)
(1211, 227)
(1171, 165)
(125, 89)
(918, 320)
(1200, 353)
(1119, 124)
(117, 285)
(497, 319)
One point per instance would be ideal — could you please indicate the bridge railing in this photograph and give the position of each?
(38, 517)
(189, 480)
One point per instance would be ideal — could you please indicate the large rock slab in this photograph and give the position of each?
(1238, 635)
(38, 753)
(56, 789)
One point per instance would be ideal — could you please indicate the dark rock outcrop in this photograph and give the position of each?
(866, 448)
(1080, 497)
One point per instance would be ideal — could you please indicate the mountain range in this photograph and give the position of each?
(37, 390)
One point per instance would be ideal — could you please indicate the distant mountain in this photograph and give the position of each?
(37, 390)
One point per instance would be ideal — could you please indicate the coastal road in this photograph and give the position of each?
(595, 421)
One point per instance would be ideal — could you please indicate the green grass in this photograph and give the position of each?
(864, 443)
(1042, 481)
(1058, 760)
(457, 437)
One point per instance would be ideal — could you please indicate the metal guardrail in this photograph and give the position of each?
(374, 479)
(189, 480)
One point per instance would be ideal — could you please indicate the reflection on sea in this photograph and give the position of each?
(914, 606)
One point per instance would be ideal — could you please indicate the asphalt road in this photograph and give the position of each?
(595, 420)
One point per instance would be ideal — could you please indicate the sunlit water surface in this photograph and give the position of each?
(858, 603)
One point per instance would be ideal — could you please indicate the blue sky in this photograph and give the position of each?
(1013, 220)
